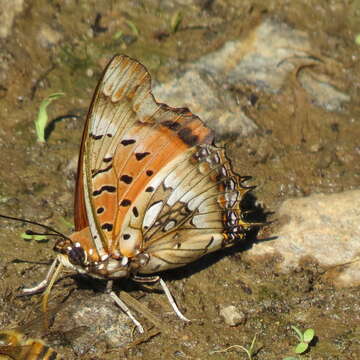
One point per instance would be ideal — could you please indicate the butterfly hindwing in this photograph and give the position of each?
(192, 208)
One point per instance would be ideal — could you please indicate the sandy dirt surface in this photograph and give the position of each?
(301, 144)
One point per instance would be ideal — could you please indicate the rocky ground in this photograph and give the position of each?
(279, 82)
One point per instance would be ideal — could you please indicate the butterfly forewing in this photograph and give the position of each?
(110, 116)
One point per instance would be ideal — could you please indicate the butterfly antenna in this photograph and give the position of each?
(29, 232)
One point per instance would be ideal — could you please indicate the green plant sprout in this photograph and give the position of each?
(357, 39)
(249, 352)
(175, 22)
(42, 118)
(118, 35)
(132, 27)
(29, 237)
(304, 341)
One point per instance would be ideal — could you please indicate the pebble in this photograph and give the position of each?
(232, 316)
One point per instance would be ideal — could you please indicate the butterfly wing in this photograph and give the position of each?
(14, 345)
(80, 218)
(193, 209)
(128, 139)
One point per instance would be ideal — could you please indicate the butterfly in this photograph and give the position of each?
(14, 345)
(153, 192)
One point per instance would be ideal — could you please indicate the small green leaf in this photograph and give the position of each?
(133, 27)
(26, 236)
(29, 237)
(40, 238)
(251, 349)
(300, 348)
(357, 39)
(309, 335)
(298, 332)
(290, 358)
(42, 118)
(175, 21)
(118, 35)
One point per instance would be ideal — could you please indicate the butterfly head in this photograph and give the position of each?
(72, 253)
(78, 256)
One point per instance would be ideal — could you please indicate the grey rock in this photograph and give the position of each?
(232, 316)
(198, 91)
(322, 92)
(101, 320)
(324, 227)
(262, 58)
(266, 57)
(8, 11)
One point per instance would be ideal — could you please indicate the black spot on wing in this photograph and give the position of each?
(126, 236)
(96, 172)
(95, 137)
(106, 188)
(140, 156)
(126, 179)
(149, 172)
(172, 125)
(149, 189)
(100, 210)
(187, 137)
(125, 202)
(126, 142)
(135, 211)
(107, 226)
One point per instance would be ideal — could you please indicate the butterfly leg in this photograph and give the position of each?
(123, 306)
(172, 301)
(44, 283)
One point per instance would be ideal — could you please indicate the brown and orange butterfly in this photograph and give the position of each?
(15, 346)
(153, 192)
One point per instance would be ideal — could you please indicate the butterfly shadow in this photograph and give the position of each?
(212, 258)
(50, 127)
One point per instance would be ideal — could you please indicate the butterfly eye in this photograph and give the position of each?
(76, 255)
